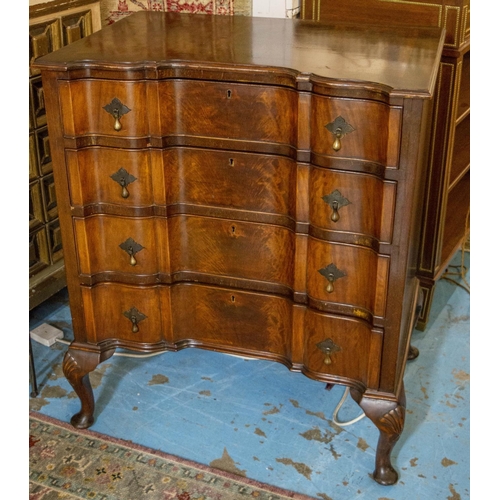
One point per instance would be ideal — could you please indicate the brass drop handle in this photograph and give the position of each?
(123, 178)
(116, 109)
(116, 114)
(339, 127)
(328, 347)
(123, 184)
(327, 360)
(336, 143)
(133, 260)
(332, 273)
(336, 201)
(135, 326)
(135, 316)
(131, 247)
(329, 287)
(335, 214)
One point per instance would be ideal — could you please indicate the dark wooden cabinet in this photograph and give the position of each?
(52, 25)
(445, 223)
(258, 195)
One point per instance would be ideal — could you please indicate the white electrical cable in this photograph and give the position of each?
(337, 409)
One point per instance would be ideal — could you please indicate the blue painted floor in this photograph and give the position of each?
(258, 419)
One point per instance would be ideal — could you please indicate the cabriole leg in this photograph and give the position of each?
(77, 365)
(389, 417)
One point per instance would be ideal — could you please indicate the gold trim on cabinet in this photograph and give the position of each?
(465, 30)
(460, 32)
(316, 7)
(435, 252)
(449, 8)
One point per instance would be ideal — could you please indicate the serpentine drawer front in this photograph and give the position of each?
(258, 195)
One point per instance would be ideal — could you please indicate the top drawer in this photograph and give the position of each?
(180, 111)
(104, 107)
(228, 111)
(348, 129)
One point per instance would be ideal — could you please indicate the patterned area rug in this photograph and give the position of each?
(66, 463)
(114, 10)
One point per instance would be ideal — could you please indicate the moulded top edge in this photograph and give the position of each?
(401, 59)
(233, 74)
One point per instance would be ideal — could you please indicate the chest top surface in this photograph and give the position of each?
(402, 59)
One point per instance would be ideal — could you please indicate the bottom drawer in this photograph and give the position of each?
(189, 315)
(343, 347)
(243, 322)
(129, 313)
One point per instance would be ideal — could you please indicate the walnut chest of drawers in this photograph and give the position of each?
(250, 186)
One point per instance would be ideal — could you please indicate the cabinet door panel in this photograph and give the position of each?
(43, 149)
(39, 256)
(37, 215)
(44, 38)
(76, 26)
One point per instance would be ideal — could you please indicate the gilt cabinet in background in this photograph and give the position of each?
(52, 26)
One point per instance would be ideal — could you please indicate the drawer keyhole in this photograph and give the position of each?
(228, 94)
(231, 162)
